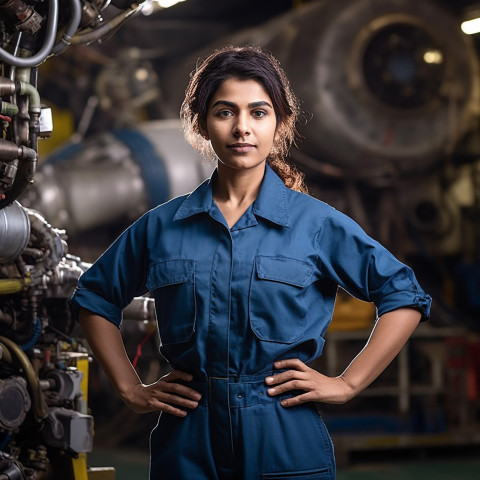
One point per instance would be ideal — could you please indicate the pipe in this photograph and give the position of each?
(44, 51)
(39, 404)
(24, 176)
(72, 27)
(8, 109)
(141, 309)
(9, 150)
(94, 35)
(34, 104)
(7, 86)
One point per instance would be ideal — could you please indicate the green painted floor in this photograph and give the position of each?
(133, 465)
(438, 470)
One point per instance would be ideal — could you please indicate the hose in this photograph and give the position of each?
(39, 404)
(8, 286)
(94, 35)
(44, 51)
(5, 355)
(36, 333)
(72, 27)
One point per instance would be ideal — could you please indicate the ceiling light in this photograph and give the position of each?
(168, 3)
(433, 56)
(153, 6)
(471, 27)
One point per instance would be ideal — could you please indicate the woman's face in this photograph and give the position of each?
(241, 124)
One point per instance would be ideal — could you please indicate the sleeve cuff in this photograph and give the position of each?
(84, 298)
(422, 303)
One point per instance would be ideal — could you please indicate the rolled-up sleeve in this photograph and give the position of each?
(366, 269)
(118, 276)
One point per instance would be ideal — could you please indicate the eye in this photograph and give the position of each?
(224, 113)
(259, 113)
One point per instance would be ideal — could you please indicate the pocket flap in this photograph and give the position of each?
(284, 270)
(171, 272)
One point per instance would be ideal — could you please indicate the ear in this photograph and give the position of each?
(278, 135)
(203, 132)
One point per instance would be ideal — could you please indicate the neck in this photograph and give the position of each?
(238, 187)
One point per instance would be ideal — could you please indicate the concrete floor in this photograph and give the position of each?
(133, 465)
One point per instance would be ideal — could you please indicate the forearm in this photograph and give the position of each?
(389, 335)
(107, 345)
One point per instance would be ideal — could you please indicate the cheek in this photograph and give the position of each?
(274, 135)
(215, 131)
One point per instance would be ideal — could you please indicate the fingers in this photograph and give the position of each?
(298, 377)
(298, 400)
(165, 395)
(178, 375)
(165, 407)
(161, 401)
(299, 371)
(289, 386)
(294, 363)
(178, 389)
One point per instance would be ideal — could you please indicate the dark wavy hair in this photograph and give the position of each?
(245, 63)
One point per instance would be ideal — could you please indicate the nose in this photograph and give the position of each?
(241, 127)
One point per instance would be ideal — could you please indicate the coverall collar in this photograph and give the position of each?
(271, 203)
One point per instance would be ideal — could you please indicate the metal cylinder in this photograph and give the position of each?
(388, 87)
(14, 402)
(14, 232)
(115, 174)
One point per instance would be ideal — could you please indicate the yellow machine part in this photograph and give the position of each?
(352, 314)
(79, 465)
(63, 128)
(82, 366)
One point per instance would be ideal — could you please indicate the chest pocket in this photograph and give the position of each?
(172, 284)
(277, 306)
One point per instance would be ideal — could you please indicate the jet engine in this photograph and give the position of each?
(45, 425)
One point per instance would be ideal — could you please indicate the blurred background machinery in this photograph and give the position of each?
(390, 135)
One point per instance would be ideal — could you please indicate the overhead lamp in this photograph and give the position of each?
(470, 27)
(167, 3)
(433, 56)
(471, 20)
(153, 6)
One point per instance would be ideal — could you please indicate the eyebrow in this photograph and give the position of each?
(260, 103)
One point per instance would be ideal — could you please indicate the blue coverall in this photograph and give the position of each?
(230, 302)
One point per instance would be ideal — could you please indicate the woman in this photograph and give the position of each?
(244, 272)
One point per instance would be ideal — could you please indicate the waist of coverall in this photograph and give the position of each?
(243, 391)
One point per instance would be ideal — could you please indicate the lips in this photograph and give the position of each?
(241, 147)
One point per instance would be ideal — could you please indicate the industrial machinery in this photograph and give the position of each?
(390, 92)
(45, 426)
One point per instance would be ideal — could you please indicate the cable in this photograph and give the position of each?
(138, 354)
(36, 333)
(40, 407)
(96, 34)
(44, 51)
(76, 17)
